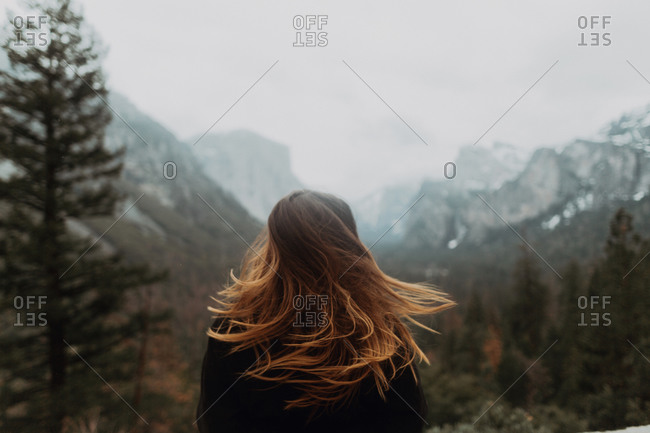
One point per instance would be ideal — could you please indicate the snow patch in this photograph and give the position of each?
(461, 231)
(640, 429)
(585, 201)
(569, 210)
(551, 223)
(579, 204)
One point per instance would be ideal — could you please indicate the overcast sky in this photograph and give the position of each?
(448, 69)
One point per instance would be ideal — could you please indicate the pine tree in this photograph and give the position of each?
(564, 360)
(525, 333)
(52, 122)
(470, 357)
(528, 312)
(615, 374)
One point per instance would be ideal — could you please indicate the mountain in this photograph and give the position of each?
(252, 168)
(559, 206)
(475, 168)
(487, 168)
(555, 185)
(171, 226)
(376, 212)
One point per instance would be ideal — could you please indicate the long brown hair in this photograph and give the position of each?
(310, 282)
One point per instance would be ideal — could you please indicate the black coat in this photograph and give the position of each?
(234, 404)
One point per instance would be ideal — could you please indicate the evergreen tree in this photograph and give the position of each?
(617, 303)
(528, 312)
(52, 122)
(564, 360)
(525, 335)
(470, 357)
(511, 367)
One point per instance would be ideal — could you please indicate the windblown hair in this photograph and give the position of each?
(310, 250)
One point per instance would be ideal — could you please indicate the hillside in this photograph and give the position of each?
(171, 226)
(252, 168)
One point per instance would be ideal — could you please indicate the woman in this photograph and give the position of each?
(310, 337)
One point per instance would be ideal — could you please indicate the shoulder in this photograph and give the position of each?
(217, 347)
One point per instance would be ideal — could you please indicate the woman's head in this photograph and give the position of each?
(314, 236)
(310, 251)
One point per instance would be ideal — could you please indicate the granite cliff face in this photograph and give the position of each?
(487, 168)
(162, 167)
(476, 168)
(252, 168)
(555, 184)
